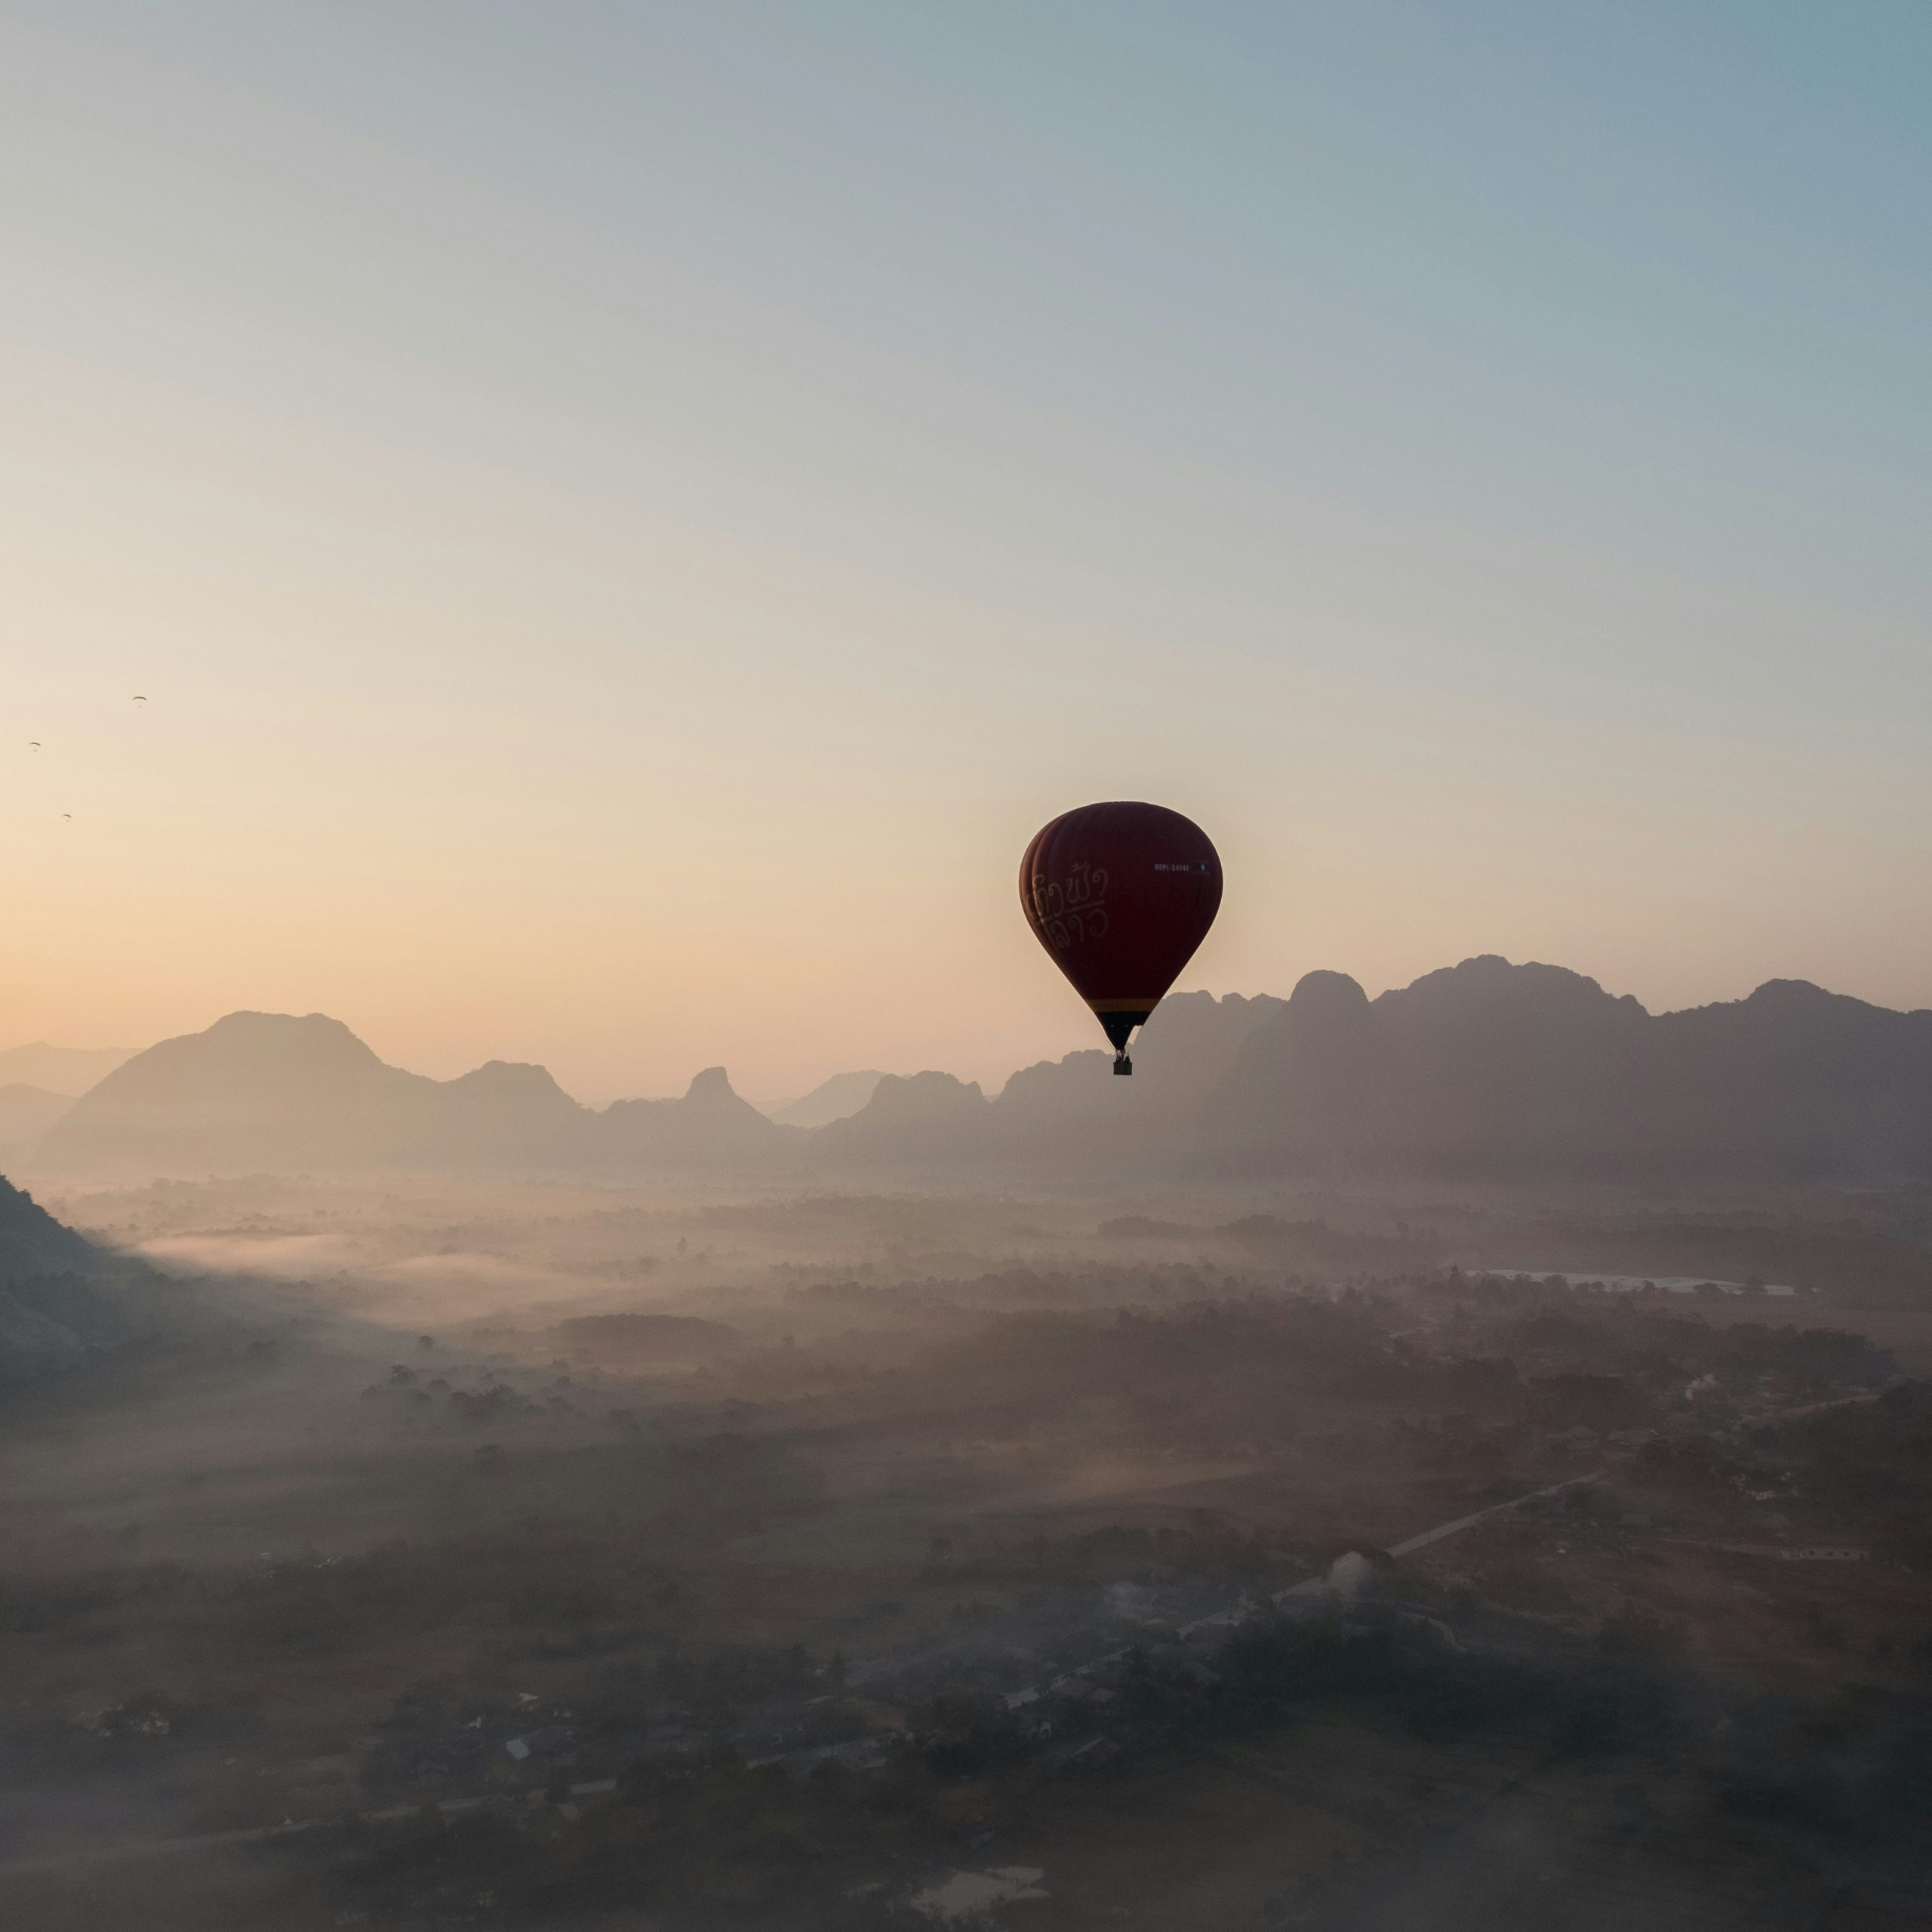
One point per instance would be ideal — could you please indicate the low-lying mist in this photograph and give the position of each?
(545, 1554)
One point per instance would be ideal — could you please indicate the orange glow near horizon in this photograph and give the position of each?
(619, 573)
(702, 816)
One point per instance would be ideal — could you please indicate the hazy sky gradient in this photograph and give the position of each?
(628, 517)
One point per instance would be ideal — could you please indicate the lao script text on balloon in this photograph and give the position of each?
(1074, 909)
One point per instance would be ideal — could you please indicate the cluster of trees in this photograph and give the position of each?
(571, 1541)
(1209, 1371)
(1867, 1462)
(1651, 1348)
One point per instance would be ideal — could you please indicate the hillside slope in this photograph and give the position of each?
(54, 1309)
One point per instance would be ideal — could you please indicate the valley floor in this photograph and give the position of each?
(768, 1565)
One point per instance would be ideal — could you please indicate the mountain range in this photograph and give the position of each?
(70, 1071)
(831, 1099)
(1484, 1070)
(37, 1084)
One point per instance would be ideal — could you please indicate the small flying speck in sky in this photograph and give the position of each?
(35, 742)
(139, 699)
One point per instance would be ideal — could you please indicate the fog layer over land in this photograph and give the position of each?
(412, 1550)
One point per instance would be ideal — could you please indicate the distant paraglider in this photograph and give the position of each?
(1121, 895)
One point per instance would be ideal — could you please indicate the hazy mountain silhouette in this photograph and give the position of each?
(1482, 1070)
(926, 1120)
(709, 1130)
(831, 1099)
(505, 1110)
(26, 1114)
(1075, 1112)
(1062, 1116)
(1485, 1069)
(68, 1070)
(257, 1091)
(1488, 1069)
(270, 1093)
(1795, 1080)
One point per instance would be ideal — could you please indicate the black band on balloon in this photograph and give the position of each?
(1119, 1025)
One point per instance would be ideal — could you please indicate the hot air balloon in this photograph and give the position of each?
(1121, 895)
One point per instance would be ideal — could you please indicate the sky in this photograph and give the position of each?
(626, 518)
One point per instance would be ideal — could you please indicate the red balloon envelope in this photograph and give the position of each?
(1121, 895)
